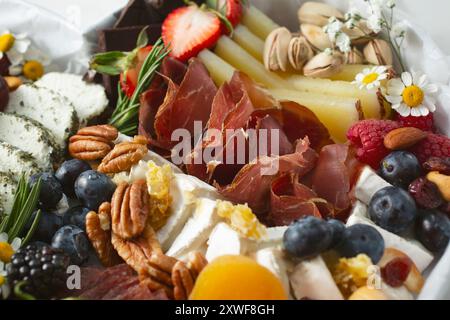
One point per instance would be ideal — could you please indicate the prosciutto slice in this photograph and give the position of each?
(252, 184)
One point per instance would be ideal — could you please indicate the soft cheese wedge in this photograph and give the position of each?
(311, 279)
(48, 108)
(88, 99)
(223, 241)
(274, 260)
(184, 191)
(15, 161)
(413, 249)
(7, 191)
(29, 136)
(197, 230)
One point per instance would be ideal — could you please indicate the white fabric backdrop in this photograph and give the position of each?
(85, 13)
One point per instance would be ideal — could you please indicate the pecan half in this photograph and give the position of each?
(124, 156)
(100, 235)
(185, 275)
(92, 143)
(130, 208)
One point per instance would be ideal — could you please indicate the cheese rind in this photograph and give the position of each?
(368, 184)
(88, 99)
(29, 136)
(53, 111)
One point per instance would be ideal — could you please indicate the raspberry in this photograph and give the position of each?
(367, 136)
(425, 123)
(434, 145)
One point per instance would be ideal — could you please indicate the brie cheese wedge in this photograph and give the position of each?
(29, 136)
(224, 240)
(400, 293)
(88, 99)
(274, 260)
(311, 279)
(413, 249)
(368, 184)
(197, 229)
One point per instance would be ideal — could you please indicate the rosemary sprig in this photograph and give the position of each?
(25, 202)
(126, 115)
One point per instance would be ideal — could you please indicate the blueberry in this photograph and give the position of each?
(393, 209)
(361, 238)
(338, 228)
(68, 173)
(76, 216)
(433, 230)
(47, 226)
(308, 237)
(400, 168)
(93, 188)
(51, 190)
(73, 241)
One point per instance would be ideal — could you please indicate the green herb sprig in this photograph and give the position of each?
(126, 115)
(25, 202)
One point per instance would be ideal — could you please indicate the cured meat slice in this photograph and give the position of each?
(253, 183)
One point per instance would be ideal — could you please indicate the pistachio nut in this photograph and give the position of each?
(317, 13)
(378, 52)
(316, 36)
(354, 57)
(324, 65)
(276, 50)
(299, 52)
(359, 35)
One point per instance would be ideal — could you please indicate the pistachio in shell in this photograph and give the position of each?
(299, 52)
(316, 36)
(324, 65)
(317, 13)
(354, 56)
(378, 52)
(276, 50)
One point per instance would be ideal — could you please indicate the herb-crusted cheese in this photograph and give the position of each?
(14, 161)
(89, 100)
(48, 108)
(29, 136)
(7, 191)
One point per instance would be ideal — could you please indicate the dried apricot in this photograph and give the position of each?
(237, 278)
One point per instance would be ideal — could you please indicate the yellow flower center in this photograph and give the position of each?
(33, 70)
(6, 252)
(413, 96)
(2, 280)
(6, 42)
(370, 78)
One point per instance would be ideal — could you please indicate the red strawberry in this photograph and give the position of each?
(434, 145)
(189, 30)
(425, 123)
(367, 136)
(129, 78)
(231, 9)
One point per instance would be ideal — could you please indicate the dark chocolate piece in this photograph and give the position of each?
(137, 13)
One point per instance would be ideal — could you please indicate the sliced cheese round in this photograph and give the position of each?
(29, 136)
(7, 191)
(15, 161)
(48, 108)
(88, 99)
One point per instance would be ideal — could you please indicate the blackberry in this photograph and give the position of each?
(42, 267)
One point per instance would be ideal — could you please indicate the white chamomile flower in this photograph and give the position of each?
(7, 249)
(4, 286)
(412, 95)
(333, 27)
(399, 30)
(14, 45)
(371, 78)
